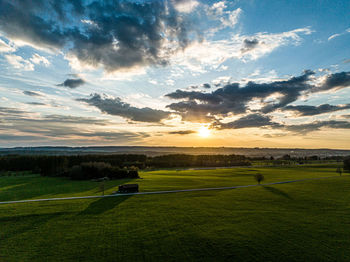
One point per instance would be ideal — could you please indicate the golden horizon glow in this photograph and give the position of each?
(204, 131)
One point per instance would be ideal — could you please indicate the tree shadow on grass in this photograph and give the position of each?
(16, 225)
(103, 204)
(277, 192)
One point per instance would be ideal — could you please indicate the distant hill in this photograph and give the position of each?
(155, 151)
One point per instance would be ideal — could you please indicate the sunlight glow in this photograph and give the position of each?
(204, 131)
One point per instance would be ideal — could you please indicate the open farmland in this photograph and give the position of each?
(298, 221)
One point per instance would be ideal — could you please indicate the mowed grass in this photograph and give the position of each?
(34, 187)
(304, 221)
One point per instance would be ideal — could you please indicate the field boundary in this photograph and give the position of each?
(164, 192)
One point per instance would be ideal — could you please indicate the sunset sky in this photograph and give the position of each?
(175, 73)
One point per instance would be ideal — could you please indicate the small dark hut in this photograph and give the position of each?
(128, 188)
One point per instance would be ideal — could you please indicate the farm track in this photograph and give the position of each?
(162, 192)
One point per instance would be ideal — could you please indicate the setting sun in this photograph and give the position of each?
(204, 131)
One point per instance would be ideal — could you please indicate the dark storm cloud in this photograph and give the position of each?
(335, 81)
(114, 106)
(20, 20)
(182, 132)
(72, 83)
(31, 93)
(258, 121)
(206, 85)
(234, 99)
(252, 120)
(112, 34)
(305, 110)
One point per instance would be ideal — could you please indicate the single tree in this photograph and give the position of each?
(259, 177)
(339, 171)
(102, 185)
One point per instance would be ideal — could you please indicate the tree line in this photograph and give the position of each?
(113, 166)
(117, 165)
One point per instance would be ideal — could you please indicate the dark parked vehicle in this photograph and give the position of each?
(128, 188)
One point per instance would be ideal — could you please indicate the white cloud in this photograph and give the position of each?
(38, 59)
(185, 6)
(333, 36)
(218, 8)
(89, 22)
(208, 55)
(6, 48)
(340, 34)
(19, 62)
(232, 18)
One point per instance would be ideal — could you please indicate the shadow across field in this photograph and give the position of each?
(25, 223)
(102, 205)
(21, 188)
(277, 191)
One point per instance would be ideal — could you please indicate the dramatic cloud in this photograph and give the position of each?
(258, 121)
(31, 93)
(253, 120)
(112, 34)
(234, 99)
(73, 83)
(305, 110)
(335, 81)
(114, 106)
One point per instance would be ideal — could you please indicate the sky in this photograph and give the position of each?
(175, 73)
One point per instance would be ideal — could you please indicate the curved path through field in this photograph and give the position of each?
(161, 192)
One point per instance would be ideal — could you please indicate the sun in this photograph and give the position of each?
(204, 131)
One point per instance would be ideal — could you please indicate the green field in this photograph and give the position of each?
(303, 221)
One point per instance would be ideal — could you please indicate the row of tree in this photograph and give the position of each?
(97, 170)
(115, 166)
(73, 165)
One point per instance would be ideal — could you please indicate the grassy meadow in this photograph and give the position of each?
(304, 221)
